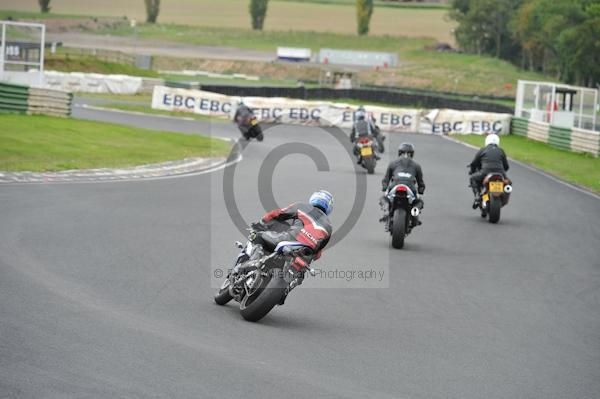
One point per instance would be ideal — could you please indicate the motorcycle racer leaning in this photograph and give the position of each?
(305, 223)
(406, 171)
(243, 115)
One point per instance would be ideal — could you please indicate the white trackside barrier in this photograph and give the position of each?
(77, 82)
(322, 113)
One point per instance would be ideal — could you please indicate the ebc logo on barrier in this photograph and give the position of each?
(385, 118)
(190, 102)
(472, 127)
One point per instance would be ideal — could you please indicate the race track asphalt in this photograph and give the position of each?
(106, 289)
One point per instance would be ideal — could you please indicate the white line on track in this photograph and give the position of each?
(141, 179)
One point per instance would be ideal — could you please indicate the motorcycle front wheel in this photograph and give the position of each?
(259, 303)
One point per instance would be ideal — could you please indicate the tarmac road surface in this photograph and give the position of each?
(106, 289)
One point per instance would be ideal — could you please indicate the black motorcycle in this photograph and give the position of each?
(365, 153)
(263, 278)
(250, 128)
(403, 215)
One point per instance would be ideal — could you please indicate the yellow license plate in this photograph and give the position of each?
(253, 122)
(485, 198)
(366, 151)
(496, 187)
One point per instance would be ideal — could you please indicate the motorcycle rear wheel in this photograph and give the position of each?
(495, 204)
(398, 228)
(270, 292)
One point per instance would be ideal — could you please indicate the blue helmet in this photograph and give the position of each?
(322, 199)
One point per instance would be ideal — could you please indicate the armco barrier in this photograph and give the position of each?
(23, 99)
(576, 140)
(393, 97)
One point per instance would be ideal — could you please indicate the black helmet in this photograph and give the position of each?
(406, 148)
(360, 114)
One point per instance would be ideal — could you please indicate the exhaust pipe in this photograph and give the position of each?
(415, 211)
(508, 189)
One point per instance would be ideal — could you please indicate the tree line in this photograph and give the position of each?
(258, 12)
(560, 38)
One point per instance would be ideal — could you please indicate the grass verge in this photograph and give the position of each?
(44, 143)
(145, 98)
(146, 109)
(580, 169)
(65, 62)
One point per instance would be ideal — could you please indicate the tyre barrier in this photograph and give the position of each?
(569, 139)
(34, 101)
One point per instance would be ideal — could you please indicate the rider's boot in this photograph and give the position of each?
(385, 207)
(477, 200)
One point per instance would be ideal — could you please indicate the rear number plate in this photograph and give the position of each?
(496, 187)
(366, 151)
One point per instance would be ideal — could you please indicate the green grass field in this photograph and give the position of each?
(420, 68)
(282, 15)
(378, 4)
(581, 169)
(43, 143)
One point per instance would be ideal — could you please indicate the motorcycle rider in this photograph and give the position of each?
(403, 170)
(365, 126)
(305, 223)
(242, 116)
(378, 136)
(489, 159)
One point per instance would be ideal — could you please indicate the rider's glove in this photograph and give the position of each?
(421, 190)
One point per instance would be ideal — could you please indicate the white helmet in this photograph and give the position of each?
(492, 139)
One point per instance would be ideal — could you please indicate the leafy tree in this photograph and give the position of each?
(579, 49)
(364, 10)
(152, 9)
(44, 5)
(258, 12)
(545, 29)
(483, 25)
(559, 38)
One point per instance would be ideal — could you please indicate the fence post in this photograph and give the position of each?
(3, 49)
